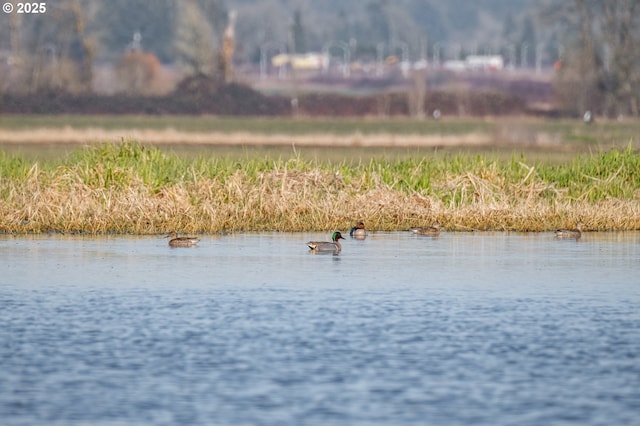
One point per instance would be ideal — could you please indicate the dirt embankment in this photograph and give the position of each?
(200, 97)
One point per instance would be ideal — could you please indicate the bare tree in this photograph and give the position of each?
(228, 49)
(195, 39)
(53, 51)
(600, 64)
(10, 65)
(620, 20)
(81, 48)
(139, 73)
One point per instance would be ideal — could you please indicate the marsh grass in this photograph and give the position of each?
(136, 189)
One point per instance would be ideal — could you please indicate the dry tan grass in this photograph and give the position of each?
(287, 200)
(69, 135)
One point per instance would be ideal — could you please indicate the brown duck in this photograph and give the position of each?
(432, 231)
(176, 241)
(358, 232)
(574, 234)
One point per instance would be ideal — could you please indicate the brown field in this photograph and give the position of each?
(174, 137)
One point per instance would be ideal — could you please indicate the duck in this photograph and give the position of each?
(432, 231)
(358, 232)
(327, 246)
(570, 233)
(175, 241)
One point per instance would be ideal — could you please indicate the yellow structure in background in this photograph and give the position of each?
(305, 61)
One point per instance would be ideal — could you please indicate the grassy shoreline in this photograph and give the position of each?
(130, 188)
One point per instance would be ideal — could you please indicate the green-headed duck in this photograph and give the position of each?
(327, 246)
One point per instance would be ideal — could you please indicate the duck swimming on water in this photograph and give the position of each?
(574, 234)
(432, 231)
(358, 232)
(175, 241)
(327, 246)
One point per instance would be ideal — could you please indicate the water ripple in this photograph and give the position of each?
(374, 351)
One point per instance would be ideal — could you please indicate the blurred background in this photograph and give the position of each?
(418, 58)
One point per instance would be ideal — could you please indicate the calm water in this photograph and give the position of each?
(251, 329)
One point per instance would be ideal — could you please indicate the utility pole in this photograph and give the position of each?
(292, 53)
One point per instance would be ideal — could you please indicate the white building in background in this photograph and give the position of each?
(455, 65)
(475, 63)
(484, 62)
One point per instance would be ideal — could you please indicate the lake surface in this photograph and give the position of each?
(252, 329)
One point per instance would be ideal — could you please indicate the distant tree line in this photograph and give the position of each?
(59, 49)
(596, 43)
(600, 63)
